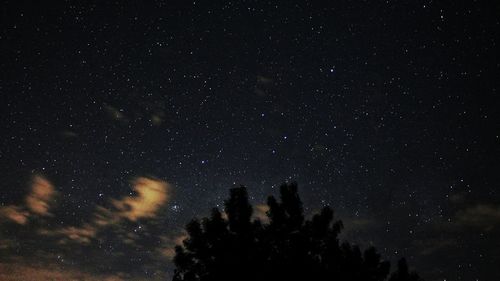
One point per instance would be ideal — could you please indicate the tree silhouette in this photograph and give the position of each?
(287, 248)
(403, 274)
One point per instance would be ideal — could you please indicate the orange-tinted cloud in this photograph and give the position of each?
(42, 192)
(82, 235)
(103, 217)
(260, 212)
(168, 252)
(20, 271)
(37, 202)
(151, 195)
(171, 242)
(14, 214)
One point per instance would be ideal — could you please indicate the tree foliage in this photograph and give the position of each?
(287, 248)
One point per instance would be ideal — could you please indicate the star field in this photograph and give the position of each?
(122, 121)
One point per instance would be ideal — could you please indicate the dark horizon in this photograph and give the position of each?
(120, 122)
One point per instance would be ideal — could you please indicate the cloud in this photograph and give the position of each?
(171, 242)
(14, 214)
(157, 118)
(128, 225)
(151, 195)
(262, 80)
(430, 246)
(457, 198)
(82, 235)
(42, 192)
(19, 271)
(6, 244)
(260, 212)
(168, 252)
(37, 202)
(68, 134)
(103, 217)
(115, 113)
(485, 216)
(360, 228)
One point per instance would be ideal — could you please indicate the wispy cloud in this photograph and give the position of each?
(42, 192)
(260, 212)
(15, 214)
(430, 246)
(83, 234)
(484, 216)
(116, 235)
(37, 202)
(151, 195)
(170, 242)
(115, 113)
(157, 118)
(20, 271)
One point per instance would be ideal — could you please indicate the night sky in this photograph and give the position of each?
(120, 122)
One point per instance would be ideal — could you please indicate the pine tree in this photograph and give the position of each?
(287, 248)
